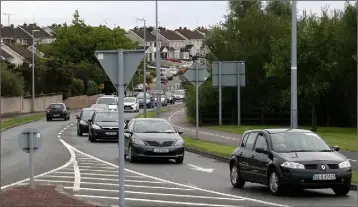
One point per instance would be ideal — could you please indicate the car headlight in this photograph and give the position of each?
(83, 122)
(95, 126)
(293, 165)
(179, 143)
(344, 164)
(138, 141)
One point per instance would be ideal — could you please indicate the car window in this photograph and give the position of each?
(244, 139)
(87, 114)
(109, 101)
(153, 126)
(106, 117)
(251, 140)
(261, 142)
(56, 106)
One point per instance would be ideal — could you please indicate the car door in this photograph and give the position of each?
(80, 118)
(245, 155)
(260, 161)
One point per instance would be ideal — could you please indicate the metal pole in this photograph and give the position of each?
(33, 73)
(220, 97)
(197, 99)
(0, 103)
(145, 73)
(294, 66)
(31, 156)
(158, 85)
(357, 84)
(121, 128)
(238, 94)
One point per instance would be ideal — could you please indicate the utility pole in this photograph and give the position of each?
(157, 60)
(294, 66)
(144, 67)
(8, 17)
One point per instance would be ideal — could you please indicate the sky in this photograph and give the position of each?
(171, 14)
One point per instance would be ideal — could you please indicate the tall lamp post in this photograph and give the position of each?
(157, 60)
(144, 68)
(294, 65)
(33, 70)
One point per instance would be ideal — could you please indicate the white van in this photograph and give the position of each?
(111, 101)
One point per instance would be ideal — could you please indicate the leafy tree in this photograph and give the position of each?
(12, 83)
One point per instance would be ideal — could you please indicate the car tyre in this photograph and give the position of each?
(48, 119)
(235, 179)
(80, 133)
(129, 156)
(91, 138)
(342, 190)
(275, 187)
(179, 160)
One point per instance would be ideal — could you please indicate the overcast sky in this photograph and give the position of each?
(124, 13)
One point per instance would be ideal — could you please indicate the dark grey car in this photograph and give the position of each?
(149, 102)
(152, 138)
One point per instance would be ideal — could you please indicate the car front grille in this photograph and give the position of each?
(311, 166)
(128, 107)
(110, 129)
(162, 144)
(333, 166)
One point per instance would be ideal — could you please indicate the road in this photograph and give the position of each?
(178, 118)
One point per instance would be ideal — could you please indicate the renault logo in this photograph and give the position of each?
(323, 167)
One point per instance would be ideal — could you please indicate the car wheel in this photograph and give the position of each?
(130, 157)
(91, 138)
(342, 190)
(235, 179)
(48, 119)
(80, 133)
(179, 160)
(275, 186)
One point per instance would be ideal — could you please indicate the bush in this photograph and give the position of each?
(149, 79)
(12, 84)
(92, 88)
(76, 87)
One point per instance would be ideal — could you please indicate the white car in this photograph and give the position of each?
(173, 71)
(179, 94)
(131, 104)
(101, 107)
(111, 101)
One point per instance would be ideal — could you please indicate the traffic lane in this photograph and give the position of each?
(166, 195)
(177, 117)
(15, 162)
(196, 171)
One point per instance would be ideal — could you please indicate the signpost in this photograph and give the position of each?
(229, 74)
(197, 75)
(30, 141)
(120, 66)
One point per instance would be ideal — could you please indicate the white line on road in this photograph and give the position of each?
(106, 171)
(352, 160)
(92, 163)
(76, 170)
(209, 170)
(90, 167)
(102, 175)
(157, 201)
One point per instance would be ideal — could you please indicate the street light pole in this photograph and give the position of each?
(158, 85)
(33, 70)
(294, 65)
(144, 68)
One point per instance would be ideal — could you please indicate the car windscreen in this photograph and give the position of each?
(128, 99)
(87, 114)
(298, 142)
(168, 94)
(106, 117)
(141, 96)
(153, 126)
(56, 106)
(179, 92)
(108, 101)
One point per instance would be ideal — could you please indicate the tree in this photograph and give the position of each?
(12, 84)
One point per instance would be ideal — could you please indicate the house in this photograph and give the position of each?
(195, 40)
(187, 52)
(15, 53)
(204, 49)
(41, 36)
(172, 41)
(137, 35)
(13, 35)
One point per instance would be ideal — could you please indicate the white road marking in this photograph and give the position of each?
(84, 158)
(106, 171)
(157, 201)
(91, 163)
(69, 147)
(209, 170)
(352, 160)
(186, 129)
(163, 194)
(71, 124)
(90, 167)
(102, 175)
(76, 170)
(58, 136)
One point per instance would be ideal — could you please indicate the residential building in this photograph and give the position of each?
(137, 35)
(204, 49)
(172, 41)
(14, 35)
(41, 36)
(194, 40)
(19, 53)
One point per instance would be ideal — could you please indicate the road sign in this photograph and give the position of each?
(230, 71)
(109, 61)
(24, 140)
(157, 91)
(203, 74)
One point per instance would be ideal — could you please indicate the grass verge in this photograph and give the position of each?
(345, 138)
(221, 149)
(20, 120)
(152, 114)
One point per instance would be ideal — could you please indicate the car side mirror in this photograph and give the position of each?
(335, 148)
(261, 150)
(77, 117)
(89, 120)
(180, 132)
(128, 131)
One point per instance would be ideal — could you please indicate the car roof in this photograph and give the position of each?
(280, 130)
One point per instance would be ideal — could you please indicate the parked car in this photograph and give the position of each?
(163, 100)
(153, 138)
(179, 95)
(170, 97)
(289, 159)
(173, 71)
(111, 101)
(131, 104)
(103, 125)
(149, 102)
(103, 107)
(82, 120)
(58, 111)
(163, 79)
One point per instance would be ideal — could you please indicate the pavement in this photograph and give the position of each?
(177, 117)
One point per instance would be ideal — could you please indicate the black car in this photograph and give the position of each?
(170, 97)
(289, 159)
(57, 111)
(82, 120)
(152, 138)
(103, 125)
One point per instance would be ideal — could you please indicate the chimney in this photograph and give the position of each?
(11, 25)
(184, 28)
(25, 25)
(180, 28)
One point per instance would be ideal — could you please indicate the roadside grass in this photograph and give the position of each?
(345, 138)
(221, 149)
(151, 114)
(20, 120)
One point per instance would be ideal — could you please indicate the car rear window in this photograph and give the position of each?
(56, 106)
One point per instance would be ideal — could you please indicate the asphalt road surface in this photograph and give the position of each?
(178, 118)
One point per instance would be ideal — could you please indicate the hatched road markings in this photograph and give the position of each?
(90, 178)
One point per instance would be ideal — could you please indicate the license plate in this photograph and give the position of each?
(161, 150)
(56, 115)
(111, 133)
(324, 177)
